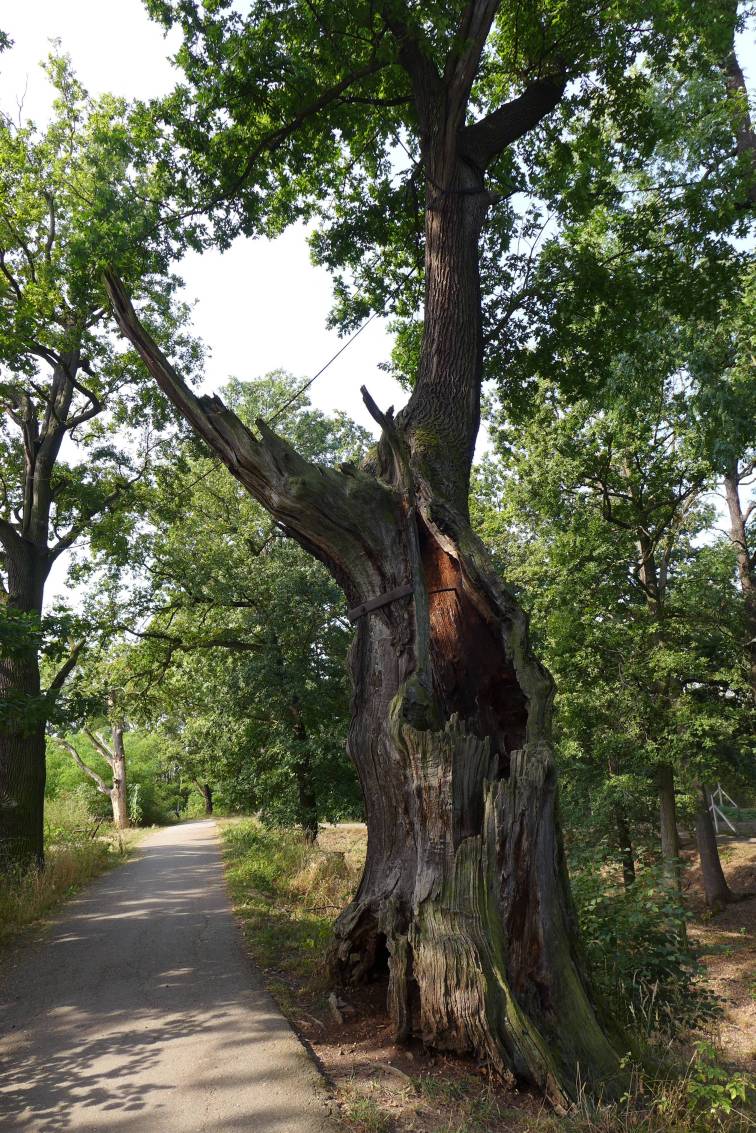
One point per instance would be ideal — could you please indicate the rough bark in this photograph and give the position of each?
(746, 558)
(464, 895)
(716, 889)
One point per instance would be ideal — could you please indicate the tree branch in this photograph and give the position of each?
(98, 780)
(66, 669)
(99, 743)
(484, 140)
(464, 58)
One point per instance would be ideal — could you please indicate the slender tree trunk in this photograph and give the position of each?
(307, 800)
(670, 841)
(118, 793)
(746, 566)
(625, 847)
(716, 889)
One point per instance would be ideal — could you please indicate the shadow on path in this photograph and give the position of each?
(141, 1011)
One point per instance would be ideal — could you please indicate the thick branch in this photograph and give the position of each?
(484, 140)
(100, 745)
(316, 505)
(464, 58)
(66, 668)
(745, 138)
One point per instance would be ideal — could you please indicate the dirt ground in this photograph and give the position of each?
(727, 944)
(382, 1086)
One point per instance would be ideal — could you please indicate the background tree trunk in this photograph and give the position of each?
(207, 794)
(22, 709)
(307, 800)
(718, 892)
(625, 843)
(670, 841)
(118, 794)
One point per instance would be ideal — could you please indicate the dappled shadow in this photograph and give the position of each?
(141, 1011)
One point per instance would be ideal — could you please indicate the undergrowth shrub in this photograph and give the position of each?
(635, 942)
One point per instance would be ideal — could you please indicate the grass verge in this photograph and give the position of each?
(28, 896)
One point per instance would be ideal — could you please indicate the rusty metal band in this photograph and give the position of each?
(390, 596)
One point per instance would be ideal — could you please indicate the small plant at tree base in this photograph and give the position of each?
(716, 1092)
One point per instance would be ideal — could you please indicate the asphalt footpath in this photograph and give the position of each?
(139, 1011)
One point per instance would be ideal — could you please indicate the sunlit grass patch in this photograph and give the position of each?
(287, 893)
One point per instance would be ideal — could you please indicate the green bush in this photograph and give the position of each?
(635, 941)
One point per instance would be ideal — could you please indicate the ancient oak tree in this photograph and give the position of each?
(464, 891)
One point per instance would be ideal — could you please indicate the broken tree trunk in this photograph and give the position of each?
(115, 757)
(464, 895)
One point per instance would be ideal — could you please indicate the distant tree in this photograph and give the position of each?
(114, 755)
(244, 638)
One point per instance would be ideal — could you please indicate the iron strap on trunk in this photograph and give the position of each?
(390, 596)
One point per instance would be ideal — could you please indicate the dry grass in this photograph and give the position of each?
(76, 850)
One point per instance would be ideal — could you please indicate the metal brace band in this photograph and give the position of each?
(390, 596)
(382, 600)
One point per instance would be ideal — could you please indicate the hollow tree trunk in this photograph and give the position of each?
(464, 888)
(716, 889)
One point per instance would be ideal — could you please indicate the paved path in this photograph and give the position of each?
(140, 1012)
